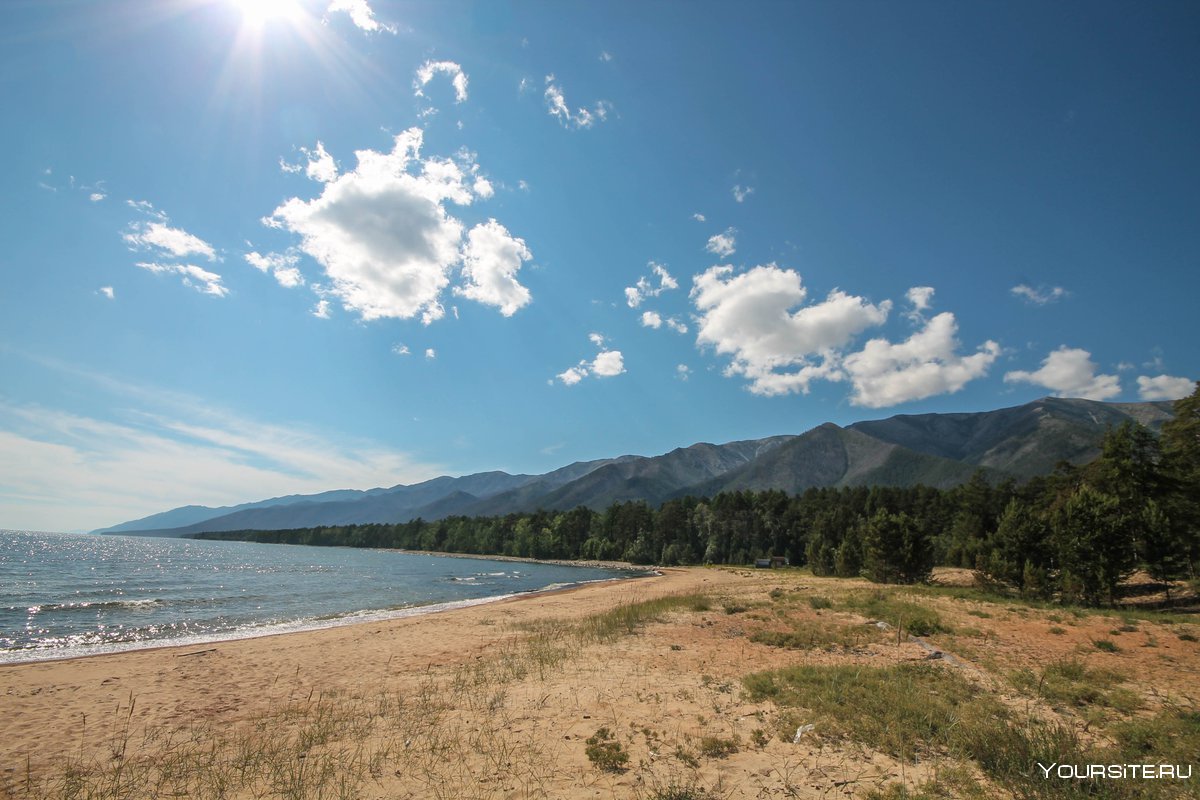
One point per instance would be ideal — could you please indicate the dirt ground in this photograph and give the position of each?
(501, 700)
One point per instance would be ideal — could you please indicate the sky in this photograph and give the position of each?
(264, 247)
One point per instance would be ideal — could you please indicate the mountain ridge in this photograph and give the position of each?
(939, 450)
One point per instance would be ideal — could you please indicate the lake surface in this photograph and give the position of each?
(65, 595)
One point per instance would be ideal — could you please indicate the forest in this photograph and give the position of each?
(1072, 536)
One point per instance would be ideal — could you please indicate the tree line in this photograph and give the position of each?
(1073, 535)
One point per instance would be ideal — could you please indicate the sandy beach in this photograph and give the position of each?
(497, 700)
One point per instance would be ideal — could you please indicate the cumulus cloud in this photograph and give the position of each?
(1164, 387)
(425, 74)
(926, 364)
(96, 197)
(651, 319)
(607, 363)
(491, 260)
(740, 193)
(683, 372)
(281, 265)
(556, 106)
(321, 309)
(108, 292)
(779, 350)
(385, 239)
(401, 349)
(1069, 372)
(699, 217)
(430, 353)
(722, 244)
(634, 295)
(361, 15)
(1039, 296)
(195, 277)
(920, 297)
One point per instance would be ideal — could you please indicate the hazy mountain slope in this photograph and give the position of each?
(188, 515)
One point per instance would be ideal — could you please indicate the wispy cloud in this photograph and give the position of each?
(63, 470)
(722, 244)
(425, 74)
(556, 105)
(1040, 296)
(361, 14)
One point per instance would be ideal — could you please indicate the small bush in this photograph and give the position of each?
(605, 753)
(716, 747)
(819, 602)
(1107, 645)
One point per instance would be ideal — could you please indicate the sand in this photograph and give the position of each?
(462, 704)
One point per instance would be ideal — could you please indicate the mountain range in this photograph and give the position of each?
(940, 450)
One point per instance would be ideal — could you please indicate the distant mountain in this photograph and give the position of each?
(939, 450)
(1022, 441)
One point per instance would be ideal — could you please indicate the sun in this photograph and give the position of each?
(257, 13)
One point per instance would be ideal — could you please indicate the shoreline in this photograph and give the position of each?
(230, 682)
(350, 619)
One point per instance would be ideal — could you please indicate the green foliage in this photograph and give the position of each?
(716, 747)
(605, 752)
(896, 549)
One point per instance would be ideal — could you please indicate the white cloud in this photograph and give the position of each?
(281, 265)
(96, 197)
(651, 319)
(1069, 372)
(572, 375)
(62, 471)
(427, 70)
(750, 317)
(1040, 296)
(483, 187)
(321, 309)
(634, 295)
(605, 56)
(169, 241)
(699, 217)
(523, 186)
(319, 165)
(430, 353)
(491, 260)
(920, 297)
(401, 349)
(108, 292)
(556, 106)
(674, 324)
(683, 371)
(387, 243)
(1164, 387)
(606, 364)
(197, 278)
(722, 244)
(740, 193)
(361, 15)
(924, 365)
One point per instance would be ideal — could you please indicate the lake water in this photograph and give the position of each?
(64, 595)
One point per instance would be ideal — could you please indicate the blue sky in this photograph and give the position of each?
(257, 248)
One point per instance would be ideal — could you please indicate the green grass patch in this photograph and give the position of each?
(904, 711)
(629, 618)
(809, 635)
(1072, 683)
(906, 615)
